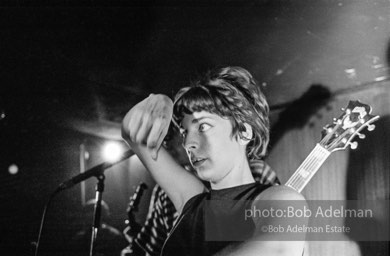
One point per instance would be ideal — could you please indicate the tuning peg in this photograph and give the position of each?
(353, 145)
(328, 129)
(336, 121)
(371, 127)
(361, 136)
(347, 110)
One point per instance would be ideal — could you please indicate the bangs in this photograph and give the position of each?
(193, 99)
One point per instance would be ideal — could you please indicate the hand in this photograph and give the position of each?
(147, 122)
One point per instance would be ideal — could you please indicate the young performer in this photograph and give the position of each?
(224, 123)
(162, 213)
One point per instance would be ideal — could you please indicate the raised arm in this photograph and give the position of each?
(144, 128)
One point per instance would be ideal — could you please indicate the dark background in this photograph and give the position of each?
(70, 70)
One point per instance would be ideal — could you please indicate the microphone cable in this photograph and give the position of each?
(37, 243)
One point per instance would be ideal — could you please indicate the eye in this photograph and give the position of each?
(204, 127)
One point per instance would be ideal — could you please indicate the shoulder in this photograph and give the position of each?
(279, 197)
(269, 210)
(277, 206)
(280, 193)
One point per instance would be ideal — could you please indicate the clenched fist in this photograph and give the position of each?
(147, 122)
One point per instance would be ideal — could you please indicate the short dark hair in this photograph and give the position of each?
(233, 93)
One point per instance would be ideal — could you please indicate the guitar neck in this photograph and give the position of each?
(308, 168)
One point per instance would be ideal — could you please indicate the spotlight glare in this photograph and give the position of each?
(13, 169)
(112, 151)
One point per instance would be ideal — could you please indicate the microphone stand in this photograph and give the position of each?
(98, 172)
(97, 213)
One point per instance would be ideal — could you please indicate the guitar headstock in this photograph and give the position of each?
(338, 136)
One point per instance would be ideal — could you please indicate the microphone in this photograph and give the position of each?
(94, 171)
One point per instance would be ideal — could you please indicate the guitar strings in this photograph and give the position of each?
(310, 168)
(297, 177)
(313, 165)
(319, 158)
(313, 162)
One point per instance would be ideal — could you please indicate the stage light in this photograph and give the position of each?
(112, 151)
(13, 169)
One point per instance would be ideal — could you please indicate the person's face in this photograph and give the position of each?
(211, 148)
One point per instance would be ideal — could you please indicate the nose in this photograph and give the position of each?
(190, 142)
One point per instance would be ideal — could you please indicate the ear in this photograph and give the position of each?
(246, 135)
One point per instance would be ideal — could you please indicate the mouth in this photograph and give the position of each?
(196, 162)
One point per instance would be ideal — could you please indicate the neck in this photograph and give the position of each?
(238, 175)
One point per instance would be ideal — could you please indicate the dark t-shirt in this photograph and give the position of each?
(211, 221)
